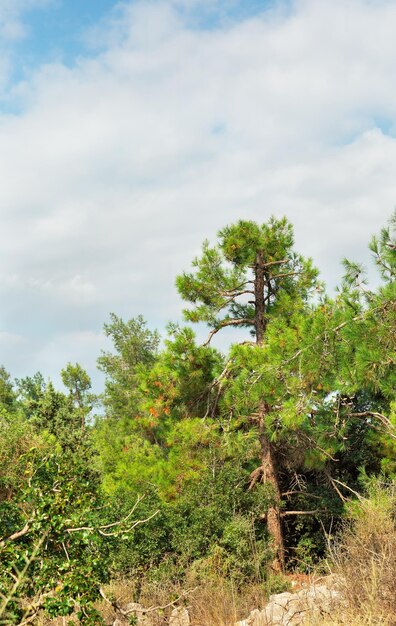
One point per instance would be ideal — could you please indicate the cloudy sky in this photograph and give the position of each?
(131, 131)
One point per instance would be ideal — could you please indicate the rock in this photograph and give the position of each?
(295, 609)
(179, 617)
(282, 599)
(257, 618)
(143, 618)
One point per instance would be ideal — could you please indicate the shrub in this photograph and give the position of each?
(365, 556)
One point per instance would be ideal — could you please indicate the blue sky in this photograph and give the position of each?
(54, 30)
(58, 30)
(130, 133)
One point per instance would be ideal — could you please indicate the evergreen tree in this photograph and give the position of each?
(7, 391)
(251, 278)
(135, 347)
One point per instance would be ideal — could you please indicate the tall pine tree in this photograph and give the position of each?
(251, 277)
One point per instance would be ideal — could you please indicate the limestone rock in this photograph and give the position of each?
(294, 609)
(143, 619)
(179, 617)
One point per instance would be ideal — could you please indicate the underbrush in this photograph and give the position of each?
(215, 602)
(364, 559)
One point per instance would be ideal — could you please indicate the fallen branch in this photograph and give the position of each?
(116, 606)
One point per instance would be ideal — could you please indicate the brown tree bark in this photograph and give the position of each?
(259, 298)
(267, 472)
(270, 475)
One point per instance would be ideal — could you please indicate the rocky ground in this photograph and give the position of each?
(303, 606)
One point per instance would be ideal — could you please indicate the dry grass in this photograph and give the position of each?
(211, 604)
(365, 561)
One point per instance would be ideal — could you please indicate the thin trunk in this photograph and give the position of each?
(259, 298)
(267, 472)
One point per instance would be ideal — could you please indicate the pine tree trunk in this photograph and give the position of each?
(267, 472)
(270, 475)
(259, 298)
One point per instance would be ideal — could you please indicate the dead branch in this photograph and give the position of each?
(230, 322)
(314, 512)
(355, 493)
(165, 606)
(101, 531)
(116, 606)
(284, 274)
(235, 294)
(301, 493)
(333, 484)
(269, 263)
(19, 533)
(385, 421)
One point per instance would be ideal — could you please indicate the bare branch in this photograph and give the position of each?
(269, 263)
(144, 611)
(19, 533)
(234, 294)
(102, 530)
(385, 421)
(230, 322)
(355, 493)
(301, 493)
(283, 275)
(125, 519)
(127, 530)
(29, 620)
(165, 606)
(314, 512)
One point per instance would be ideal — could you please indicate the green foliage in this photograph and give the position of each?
(135, 347)
(161, 439)
(188, 427)
(47, 409)
(78, 383)
(221, 287)
(46, 562)
(191, 532)
(384, 249)
(7, 392)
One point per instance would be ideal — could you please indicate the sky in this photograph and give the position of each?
(130, 132)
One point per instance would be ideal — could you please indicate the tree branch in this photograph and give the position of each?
(143, 611)
(234, 294)
(102, 529)
(19, 533)
(300, 493)
(269, 263)
(385, 421)
(283, 275)
(314, 512)
(230, 322)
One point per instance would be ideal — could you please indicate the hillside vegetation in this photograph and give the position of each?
(208, 477)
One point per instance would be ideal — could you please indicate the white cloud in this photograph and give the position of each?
(118, 168)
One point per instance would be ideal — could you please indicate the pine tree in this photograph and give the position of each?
(250, 278)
